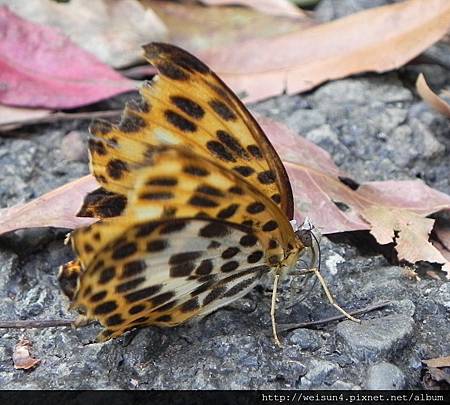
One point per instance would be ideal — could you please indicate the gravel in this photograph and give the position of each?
(376, 128)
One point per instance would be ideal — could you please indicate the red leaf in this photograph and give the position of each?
(319, 186)
(39, 67)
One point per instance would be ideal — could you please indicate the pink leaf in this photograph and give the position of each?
(39, 67)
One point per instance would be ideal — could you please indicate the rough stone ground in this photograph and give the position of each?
(376, 128)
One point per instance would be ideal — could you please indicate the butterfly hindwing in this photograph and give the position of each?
(164, 272)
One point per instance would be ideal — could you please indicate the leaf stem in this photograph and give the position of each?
(292, 326)
(30, 324)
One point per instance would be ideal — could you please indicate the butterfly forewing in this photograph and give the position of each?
(188, 105)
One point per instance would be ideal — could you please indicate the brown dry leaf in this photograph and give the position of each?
(272, 7)
(112, 30)
(57, 208)
(11, 117)
(438, 103)
(378, 39)
(320, 187)
(410, 233)
(436, 374)
(197, 28)
(438, 362)
(21, 356)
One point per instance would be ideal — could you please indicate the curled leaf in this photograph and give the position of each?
(409, 231)
(436, 373)
(22, 358)
(430, 97)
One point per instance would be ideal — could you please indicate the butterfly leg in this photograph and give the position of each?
(330, 297)
(272, 310)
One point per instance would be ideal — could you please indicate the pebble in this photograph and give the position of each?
(385, 376)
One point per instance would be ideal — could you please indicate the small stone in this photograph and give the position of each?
(320, 372)
(444, 293)
(375, 338)
(305, 339)
(404, 307)
(343, 385)
(385, 376)
(73, 147)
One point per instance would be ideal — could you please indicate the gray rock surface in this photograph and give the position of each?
(375, 338)
(385, 376)
(376, 128)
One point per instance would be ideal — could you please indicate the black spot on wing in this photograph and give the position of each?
(244, 171)
(107, 275)
(179, 121)
(228, 212)
(105, 308)
(255, 151)
(157, 245)
(200, 201)
(214, 295)
(143, 293)
(196, 171)
(214, 230)
(116, 168)
(267, 177)
(222, 110)
(162, 181)
(188, 106)
(220, 151)
(232, 143)
(131, 123)
(133, 268)
(190, 305)
(124, 250)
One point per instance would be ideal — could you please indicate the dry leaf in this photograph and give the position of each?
(272, 7)
(438, 362)
(39, 67)
(438, 103)
(112, 30)
(362, 42)
(319, 186)
(11, 117)
(436, 374)
(410, 233)
(21, 356)
(198, 28)
(57, 208)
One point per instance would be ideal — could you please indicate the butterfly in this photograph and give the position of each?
(194, 205)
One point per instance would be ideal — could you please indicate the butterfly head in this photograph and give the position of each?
(310, 237)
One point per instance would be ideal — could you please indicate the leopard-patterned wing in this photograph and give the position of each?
(178, 183)
(187, 105)
(167, 271)
(194, 236)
